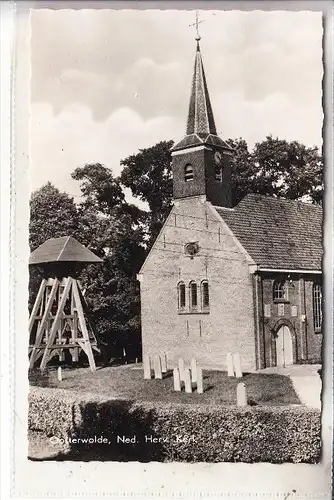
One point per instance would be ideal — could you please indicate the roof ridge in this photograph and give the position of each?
(62, 250)
(280, 199)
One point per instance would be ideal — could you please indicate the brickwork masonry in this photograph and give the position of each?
(207, 334)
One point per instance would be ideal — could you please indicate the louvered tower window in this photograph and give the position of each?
(219, 173)
(188, 172)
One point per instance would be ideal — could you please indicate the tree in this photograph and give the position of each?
(149, 176)
(52, 214)
(243, 169)
(113, 229)
(288, 170)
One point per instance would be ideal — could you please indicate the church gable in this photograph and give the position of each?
(196, 289)
(195, 220)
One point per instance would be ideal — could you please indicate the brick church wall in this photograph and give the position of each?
(296, 313)
(208, 336)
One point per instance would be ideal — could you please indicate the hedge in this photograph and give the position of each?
(184, 433)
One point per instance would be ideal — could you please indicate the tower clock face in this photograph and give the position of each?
(218, 158)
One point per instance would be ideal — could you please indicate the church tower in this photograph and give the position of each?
(201, 160)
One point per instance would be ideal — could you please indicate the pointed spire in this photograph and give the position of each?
(200, 115)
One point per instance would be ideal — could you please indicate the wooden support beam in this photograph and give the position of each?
(56, 322)
(85, 308)
(85, 343)
(37, 303)
(65, 346)
(43, 323)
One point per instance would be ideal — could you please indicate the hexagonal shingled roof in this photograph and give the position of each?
(63, 249)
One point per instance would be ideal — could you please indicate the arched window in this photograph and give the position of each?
(193, 294)
(280, 290)
(181, 289)
(218, 173)
(205, 295)
(188, 172)
(317, 306)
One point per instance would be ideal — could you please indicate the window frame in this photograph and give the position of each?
(193, 286)
(181, 285)
(280, 286)
(317, 306)
(204, 283)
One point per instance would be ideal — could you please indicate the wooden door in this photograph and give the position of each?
(284, 350)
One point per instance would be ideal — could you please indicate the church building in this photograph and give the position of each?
(222, 278)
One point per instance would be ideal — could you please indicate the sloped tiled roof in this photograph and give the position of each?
(278, 233)
(63, 249)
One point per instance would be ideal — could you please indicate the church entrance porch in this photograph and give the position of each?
(284, 349)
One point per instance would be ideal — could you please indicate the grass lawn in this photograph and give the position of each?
(127, 382)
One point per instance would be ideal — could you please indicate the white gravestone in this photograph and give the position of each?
(157, 368)
(229, 362)
(147, 368)
(181, 368)
(163, 363)
(241, 394)
(193, 370)
(199, 381)
(176, 379)
(237, 365)
(60, 377)
(187, 380)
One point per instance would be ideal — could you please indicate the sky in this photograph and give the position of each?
(106, 83)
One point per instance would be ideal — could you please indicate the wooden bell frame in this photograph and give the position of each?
(58, 323)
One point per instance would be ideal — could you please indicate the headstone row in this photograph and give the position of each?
(188, 376)
(158, 364)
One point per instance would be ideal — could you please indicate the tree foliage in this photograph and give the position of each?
(149, 176)
(52, 214)
(278, 168)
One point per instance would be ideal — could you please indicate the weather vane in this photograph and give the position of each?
(196, 23)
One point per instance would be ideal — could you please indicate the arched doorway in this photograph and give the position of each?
(284, 349)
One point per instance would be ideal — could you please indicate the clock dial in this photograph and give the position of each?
(217, 158)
